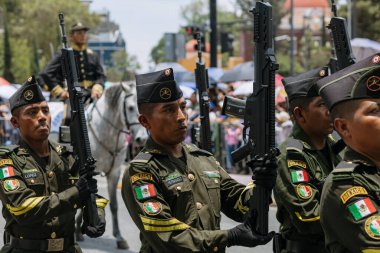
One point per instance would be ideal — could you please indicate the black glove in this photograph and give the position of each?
(243, 235)
(83, 188)
(264, 172)
(94, 231)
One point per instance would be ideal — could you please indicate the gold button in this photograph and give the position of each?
(178, 188)
(199, 205)
(81, 59)
(217, 163)
(53, 235)
(82, 65)
(82, 70)
(51, 174)
(216, 181)
(32, 181)
(72, 181)
(215, 249)
(75, 206)
(52, 193)
(81, 52)
(191, 177)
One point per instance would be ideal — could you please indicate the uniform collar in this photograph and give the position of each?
(153, 147)
(299, 134)
(351, 155)
(78, 48)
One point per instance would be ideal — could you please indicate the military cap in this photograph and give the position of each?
(29, 93)
(78, 27)
(360, 80)
(303, 85)
(157, 87)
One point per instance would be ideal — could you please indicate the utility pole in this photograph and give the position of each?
(213, 34)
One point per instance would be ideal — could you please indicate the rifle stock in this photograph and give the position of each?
(201, 76)
(84, 161)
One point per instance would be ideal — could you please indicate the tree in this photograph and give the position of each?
(157, 54)
(124, 67)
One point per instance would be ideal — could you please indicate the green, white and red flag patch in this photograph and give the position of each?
(361, 208)
(299, 176)
(6, 171)
(145, 191)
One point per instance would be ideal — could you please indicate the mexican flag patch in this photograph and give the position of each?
(145, 191)
(372, 227)
(6, 171)
(299, 176)
(152, 207)
(361, 208)
(11, 185)
(304, 191)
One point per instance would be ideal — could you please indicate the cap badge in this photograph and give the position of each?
(28, 95)
(165, 93)
(373, 83)
(30, 79)
(167, 72)
(376, 59)
(322, 73)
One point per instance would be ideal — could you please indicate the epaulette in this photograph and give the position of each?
(294, 144)
(194, 149)
(344, 171)
(6, 150)
(142, 158)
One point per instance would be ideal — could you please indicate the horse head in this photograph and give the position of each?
(131, 113)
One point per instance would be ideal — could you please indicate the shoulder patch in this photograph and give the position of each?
(299, 163)
(152, 207)
(6, 162)
(299, 176)
(141, 176)
(372, 227)
(304, 191)
(11, 185)
(145, 191)
(352, 192)
(6, 171)
(362, 208)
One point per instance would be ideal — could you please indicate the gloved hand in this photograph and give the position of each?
(264, 172)
(243, 235)
(86, 187)
(94, 231)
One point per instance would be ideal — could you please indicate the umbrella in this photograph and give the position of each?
(215, 73)
(3, 81)
(188, 84)
(241, 72)
(243, 88)
(6, 91)
(190, 77)
(187, 91)
(363, 48)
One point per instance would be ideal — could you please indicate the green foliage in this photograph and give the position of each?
(157, 54)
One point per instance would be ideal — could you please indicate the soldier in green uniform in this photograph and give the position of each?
(175, 192)
(306, 160)
(350, 201)
(90, 71)
(39, 194)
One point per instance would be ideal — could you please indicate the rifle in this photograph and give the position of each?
(84, 162)
(201, 76)
(259, 112)
(342, 55)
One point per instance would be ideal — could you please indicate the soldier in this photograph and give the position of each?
(40, 195)
(305, 161)
(174, 191)
(350, 202)
(91, 75)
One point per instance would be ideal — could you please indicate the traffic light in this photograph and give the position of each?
(226, 41)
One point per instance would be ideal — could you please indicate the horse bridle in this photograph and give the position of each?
(116, 151)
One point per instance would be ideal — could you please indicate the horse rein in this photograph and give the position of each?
(116, 151)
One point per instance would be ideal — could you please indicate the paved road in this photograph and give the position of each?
(130, 232)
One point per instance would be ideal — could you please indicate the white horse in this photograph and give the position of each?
(109, 119)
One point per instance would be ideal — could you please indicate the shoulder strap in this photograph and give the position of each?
(142, 158)
(6, 150)
(344, 171)
(294, 144)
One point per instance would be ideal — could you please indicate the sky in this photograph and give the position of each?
(143, 22)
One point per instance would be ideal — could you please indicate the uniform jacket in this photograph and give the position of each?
(90, 71)
(350, 206)
(39, 202)
(177, 205)
(302, 171)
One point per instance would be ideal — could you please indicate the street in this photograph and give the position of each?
(107, 243)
